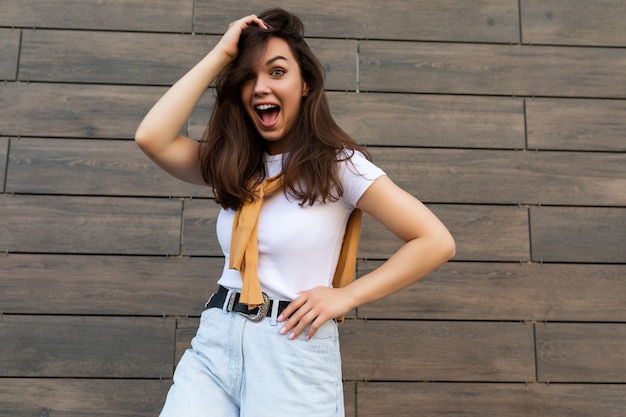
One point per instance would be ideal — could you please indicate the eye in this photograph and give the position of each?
(277, 72)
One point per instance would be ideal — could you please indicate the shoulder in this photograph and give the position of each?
(354, 163)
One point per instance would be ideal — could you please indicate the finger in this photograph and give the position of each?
(302, 324)
(291, 308)
(315, 326)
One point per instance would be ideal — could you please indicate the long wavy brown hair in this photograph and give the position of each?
(232, 151)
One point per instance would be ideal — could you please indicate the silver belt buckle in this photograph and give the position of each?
(262, 310)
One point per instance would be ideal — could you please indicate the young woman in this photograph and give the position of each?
(291, 184)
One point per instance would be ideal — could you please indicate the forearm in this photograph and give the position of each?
(414, 260)
(163, 123)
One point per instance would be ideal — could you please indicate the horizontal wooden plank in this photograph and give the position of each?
(437, 351)
(109, 57)
(451, 20)
(97, 347)
(155, 15)
(507, 177)
(147, 58)
(581, 352)
(490, 400)
(70, 110)
(9, 53)
(574, 22)
(520, 70)
(578, 234)
(4, 152)
(98, 225)
(499, 291)
(28, 397)
(583, 125)
(482, 233)
(199, 235)
(430, 121)
(106, 285)
(90, 167)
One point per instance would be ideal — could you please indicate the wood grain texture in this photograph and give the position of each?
(489, 400)
(578, 234)
(430, 121)
(451, 20)
(27, 397)
(574, 22)
(509, 292)
(49, 224)
(507, 177)
(90, 167)
(96, 347)
(159, 15)
(521, 70)
(9, 53)
(582, 125)
(71, 110)
(106, 285)
(199, 234)
(147, 58)
(437, 351)
(4, 152)
(110, 57)
(581, 352)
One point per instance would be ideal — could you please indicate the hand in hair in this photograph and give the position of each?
(228, 42)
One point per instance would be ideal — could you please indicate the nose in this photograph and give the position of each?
(261, 86)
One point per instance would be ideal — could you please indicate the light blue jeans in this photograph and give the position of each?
(237, 367)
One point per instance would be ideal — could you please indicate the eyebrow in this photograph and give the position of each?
(276, 58)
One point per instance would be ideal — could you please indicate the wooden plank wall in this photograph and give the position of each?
(507, 117)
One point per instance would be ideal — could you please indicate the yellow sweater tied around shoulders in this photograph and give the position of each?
(244, 250)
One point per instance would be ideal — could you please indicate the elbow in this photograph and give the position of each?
(447, 246)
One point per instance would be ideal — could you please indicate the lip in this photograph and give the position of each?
(261, 122)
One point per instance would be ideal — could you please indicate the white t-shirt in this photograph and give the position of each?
(299, 245)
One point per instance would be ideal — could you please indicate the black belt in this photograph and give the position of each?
(221, 299)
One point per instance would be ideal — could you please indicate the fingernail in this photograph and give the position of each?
(280, 318)
(283, 330)
(307, 338)
(292, 336)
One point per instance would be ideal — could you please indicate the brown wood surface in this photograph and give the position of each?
(451, 20)
(489, 400)
(28, 397)
(507, 70)
(71, 110)
(376, 350)
(106, 285)
(90, 167)
(578, 234)
(9, 52)
(582, 125)
(509, 177)
(501, 291)
(4, 152)
(147, 59)
(430, 121)
(131, 15)
(574, 22)
(50, 224)
(581, 352)
(199, 234)
(96, 347)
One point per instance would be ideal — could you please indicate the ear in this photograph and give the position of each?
(305, 90)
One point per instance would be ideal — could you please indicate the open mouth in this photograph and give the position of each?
(267, 113)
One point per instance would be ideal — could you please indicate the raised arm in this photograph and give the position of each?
(158, 134)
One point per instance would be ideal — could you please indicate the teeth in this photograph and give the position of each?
(262, 107)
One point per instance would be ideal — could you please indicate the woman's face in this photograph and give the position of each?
(273, 92)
